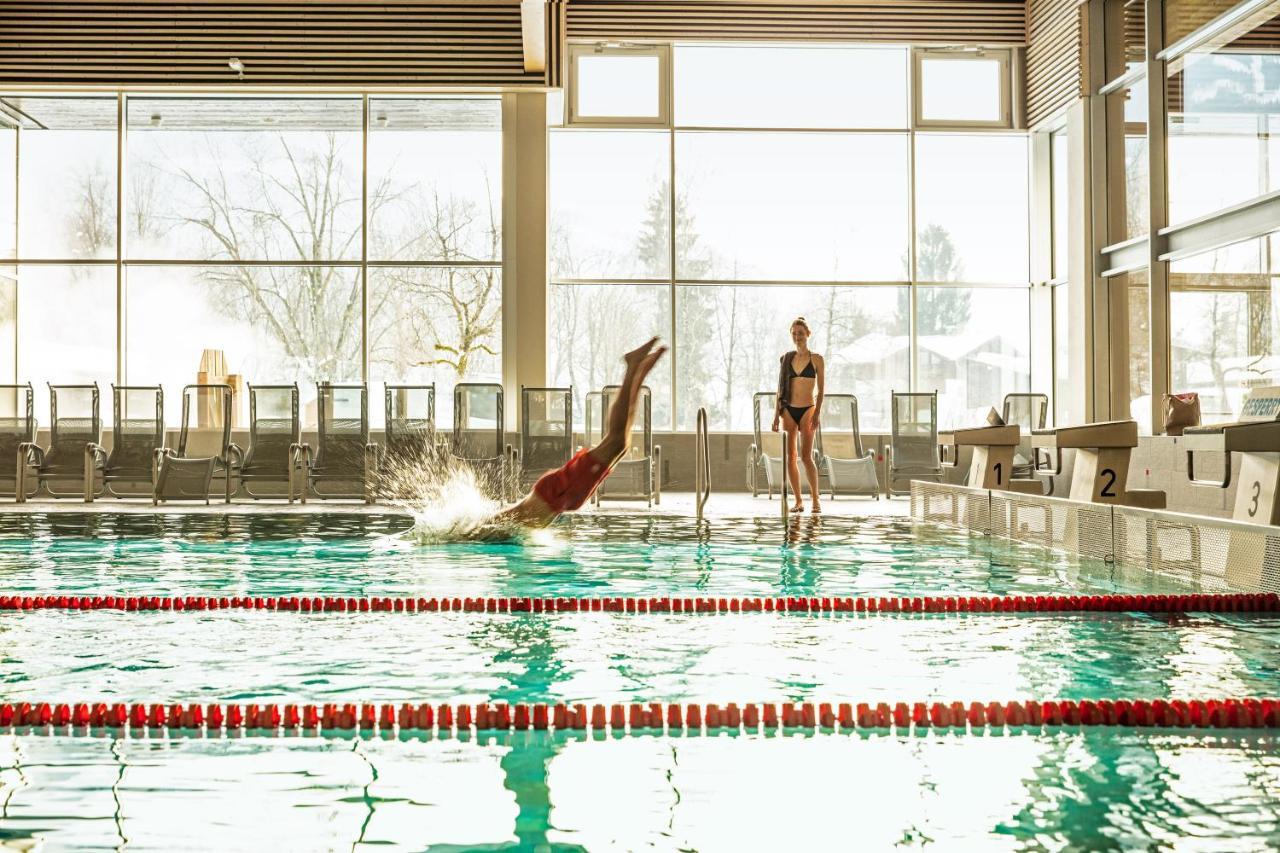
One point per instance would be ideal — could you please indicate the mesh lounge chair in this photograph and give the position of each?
(204, 448)
(546, 431)
(410, 431)
(850, 469)
(765, 455)
(137, 422)
(344, 454)
(1029, 412)
(17, 427)
(913, 442)
(477, 433)
(638, 475)
(74, 423)
(275, 449)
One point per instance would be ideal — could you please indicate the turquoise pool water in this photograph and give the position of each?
(1069, 789)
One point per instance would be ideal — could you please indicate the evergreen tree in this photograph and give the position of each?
(939, 310)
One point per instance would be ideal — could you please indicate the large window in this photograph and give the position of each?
(790, 192)
(1222, 117)
(1224, 319)
(242, 242)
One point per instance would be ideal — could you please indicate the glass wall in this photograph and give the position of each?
(788, 195)
(1223, 322)
(1222, 110)
(243, 245)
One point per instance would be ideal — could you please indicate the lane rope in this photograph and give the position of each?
(1193, 603)
(446, 718)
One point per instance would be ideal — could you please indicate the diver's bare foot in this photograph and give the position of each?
(646, 364)
(637, 356)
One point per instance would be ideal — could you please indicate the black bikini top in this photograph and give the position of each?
(807, 373)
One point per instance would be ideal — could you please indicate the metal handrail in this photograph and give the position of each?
(702, 462)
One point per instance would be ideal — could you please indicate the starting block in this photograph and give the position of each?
(1256, 436)
(993, 451)
(1101, 470)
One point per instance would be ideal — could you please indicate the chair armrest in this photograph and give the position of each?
(35, 453)
(237, 452)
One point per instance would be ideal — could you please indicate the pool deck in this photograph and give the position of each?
(722, 505)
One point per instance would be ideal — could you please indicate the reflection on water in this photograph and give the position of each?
(1065, 789)
(1081, 790)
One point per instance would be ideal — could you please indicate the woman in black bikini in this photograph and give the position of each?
(801, 382)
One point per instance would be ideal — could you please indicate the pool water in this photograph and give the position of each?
(1061, 789)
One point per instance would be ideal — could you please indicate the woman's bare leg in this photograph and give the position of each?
(791, 434)
(810, 467)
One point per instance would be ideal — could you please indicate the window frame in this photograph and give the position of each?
(662, 52)
(1002, 56)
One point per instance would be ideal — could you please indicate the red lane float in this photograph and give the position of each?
(1249, 713)
(1196, 603)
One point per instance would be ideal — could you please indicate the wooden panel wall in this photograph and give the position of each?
(1054, 56)
(975, 22)
(280, 42)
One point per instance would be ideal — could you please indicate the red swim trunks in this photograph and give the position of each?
(567, 488)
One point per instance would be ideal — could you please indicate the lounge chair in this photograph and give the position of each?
(478, 411)
(274, 454)
(638, 475)
(1029, 412)
(344, 454)
(410, 432)
(17, 427)
(74, 423)
(204, 448)
(913, 440)
(546, 431)
(137, 432)
(850, 469)
(765, 455)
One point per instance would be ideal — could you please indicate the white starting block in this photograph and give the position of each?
(1101, 470)
(1257, 437)
(993, 450)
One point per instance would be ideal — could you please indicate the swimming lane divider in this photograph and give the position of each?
(1206, 603)
(657, 717)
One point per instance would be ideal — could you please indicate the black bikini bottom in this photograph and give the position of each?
(797, 412)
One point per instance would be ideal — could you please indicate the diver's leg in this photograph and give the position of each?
(622, 414)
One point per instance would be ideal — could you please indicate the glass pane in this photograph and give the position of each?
(773, 86)
(792, 206)
(8, 333)
(610, 204)
(1127, 114)
(590, 326)
(1135, 284)
(621, 86)
(1060, 190)
(971, 208)
(66, 328)
(1061, 356)
(729, 339)
(1221, 109)
(439, 325)
(435, 179)
(67, 176)
(1224, 315)
(240, 325)
(8, 192)
(974, 347)
(961, 89)
(260, 179)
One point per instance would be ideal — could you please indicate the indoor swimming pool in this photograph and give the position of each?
(993, 787)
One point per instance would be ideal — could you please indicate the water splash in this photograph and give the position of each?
(450, 500)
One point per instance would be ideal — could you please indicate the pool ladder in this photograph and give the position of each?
(701, 463)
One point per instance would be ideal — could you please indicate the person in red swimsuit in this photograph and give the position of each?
(567, 488)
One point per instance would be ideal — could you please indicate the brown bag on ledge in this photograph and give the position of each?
(1181, 411)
